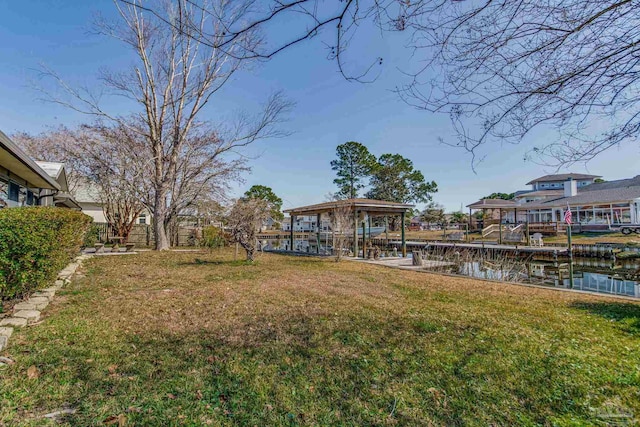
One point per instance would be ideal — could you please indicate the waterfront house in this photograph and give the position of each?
(594, 205)
(88, 196)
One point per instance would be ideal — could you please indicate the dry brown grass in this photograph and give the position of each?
(197, 338)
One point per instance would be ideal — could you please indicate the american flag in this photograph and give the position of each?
(567, 216)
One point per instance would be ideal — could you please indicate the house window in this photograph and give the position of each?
(30, 198)
(142, 219)
(621, 213)
(14, 191)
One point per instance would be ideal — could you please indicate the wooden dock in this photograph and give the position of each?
(560, 250)
(404, 263)
(550, 250)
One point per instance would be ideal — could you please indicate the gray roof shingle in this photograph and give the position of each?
(493, 204)
(609, 185)
(562, 177)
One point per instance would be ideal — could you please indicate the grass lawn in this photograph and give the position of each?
(188, 338)
(592, 238)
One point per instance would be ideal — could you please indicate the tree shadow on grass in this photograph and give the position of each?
(626, 314)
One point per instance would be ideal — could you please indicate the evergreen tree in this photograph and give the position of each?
(262, 192)
(353, 165)
(394, 179)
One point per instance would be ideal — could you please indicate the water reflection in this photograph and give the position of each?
(299, 245)
(589, 275)
(618, 277)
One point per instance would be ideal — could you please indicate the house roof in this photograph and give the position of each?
(493, 204)
(53, 169)
(66, 200)
(368, 205)
(608, 185)
(540, 193)
(56, 171)
(563, 177)
(23, 166)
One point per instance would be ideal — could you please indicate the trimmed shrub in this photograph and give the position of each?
(213, 237)
(91, 237)
(35, 244)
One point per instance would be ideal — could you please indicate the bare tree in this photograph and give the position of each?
(121, 207)
(175, 76)
(244, 221)
(59, 144)
(304, 19)
(342, 223)
(108, 165)
(498, 68)
(507, 67)
(97, 165)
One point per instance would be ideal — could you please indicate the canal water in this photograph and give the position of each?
(588, 274)
(621, 277)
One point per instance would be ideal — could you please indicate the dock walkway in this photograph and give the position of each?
(403, 263)
(520, 248)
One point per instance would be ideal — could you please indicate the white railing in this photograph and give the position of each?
(517, 228)
(493, 228)
(496, 228)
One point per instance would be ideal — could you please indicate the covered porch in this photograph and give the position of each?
(360, 213)
(499, 212)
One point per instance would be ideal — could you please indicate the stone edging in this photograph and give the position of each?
(28, 311)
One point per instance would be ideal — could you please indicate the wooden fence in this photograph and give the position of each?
(142, 235)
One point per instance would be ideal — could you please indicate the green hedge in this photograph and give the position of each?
(213, 237)
(35, 244)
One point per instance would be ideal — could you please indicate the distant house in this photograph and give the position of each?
(305, 224)
(556, 182)
(552, 186)
(26, 182)
(598, 204)
(593, 205)
(88, 197)
(416, 224)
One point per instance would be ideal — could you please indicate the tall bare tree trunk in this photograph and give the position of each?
(174, 77)
(159, 220)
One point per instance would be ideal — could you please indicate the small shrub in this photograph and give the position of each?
(36, 243)
(212, 237)
(91, 237)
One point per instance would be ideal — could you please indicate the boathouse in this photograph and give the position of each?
(363, 211)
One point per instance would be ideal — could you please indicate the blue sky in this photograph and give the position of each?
(328, 112)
